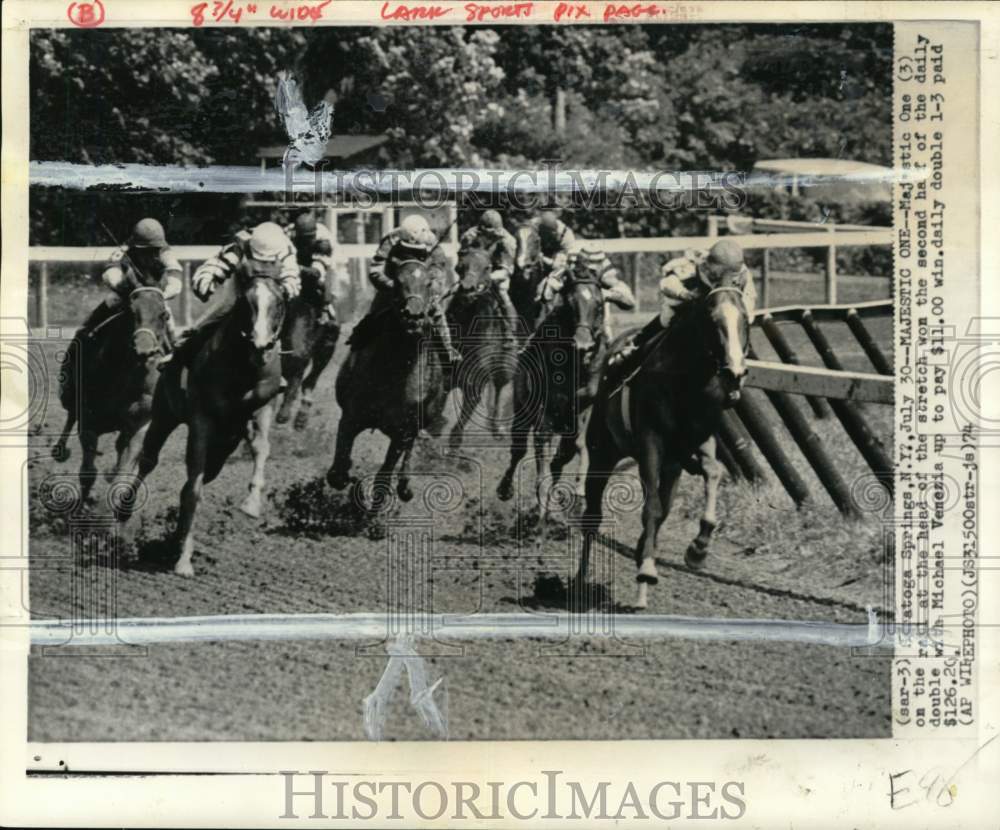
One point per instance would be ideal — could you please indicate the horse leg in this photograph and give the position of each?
(200, 438)
(594, 488)
(652, 515)
(338, 475)
(470, 400)
(542, 485)
(260, 445)
(519, 430)
(711, 470)
(322, 355)
(499, 383)
(60, 452)
(584, 453)
(144, 461)
(291, 395)
(382, 485)
(88, 465)
(403, 483)
(670, 476)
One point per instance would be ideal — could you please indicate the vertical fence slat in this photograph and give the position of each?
(760, 430)
(867, 342)
(765, 279)
(185, 297)
(849, 415)
(787, 355)
(831, 269)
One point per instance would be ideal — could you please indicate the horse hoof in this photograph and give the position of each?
(301, 421)
(61, 453)
(642, 598)
(337, 480)
(185, 569)
(505, 492)
(695, 556)
(282, 417)
(251, 506)
(404, 492)
(647, 573)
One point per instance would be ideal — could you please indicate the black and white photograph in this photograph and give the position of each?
(461, 382)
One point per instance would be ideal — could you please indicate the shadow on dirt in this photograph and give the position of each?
(310, 508)
(551, 592)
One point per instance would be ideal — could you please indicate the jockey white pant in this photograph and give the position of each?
(668, 307)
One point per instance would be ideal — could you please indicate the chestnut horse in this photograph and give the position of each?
(216, 383)
(394, 383)
(665, 416)
(108, 382)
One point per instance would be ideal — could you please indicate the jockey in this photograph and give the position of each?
(145, 259)
(491, 236)
(588, 262)
(266, 251)
(314, 253)
(412, 240)
(555, 237)
(691, 276)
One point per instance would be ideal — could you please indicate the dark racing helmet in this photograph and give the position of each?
(147, 233)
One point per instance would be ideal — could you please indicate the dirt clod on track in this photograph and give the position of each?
(314, 551)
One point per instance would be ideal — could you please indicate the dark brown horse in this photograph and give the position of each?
(394, 383)
(550, 384)
(307, 348)
(215, 384)
(665, 417)
(529, 271)
(118, 367)
(475, 314)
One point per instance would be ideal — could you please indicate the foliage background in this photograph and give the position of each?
(693, 97)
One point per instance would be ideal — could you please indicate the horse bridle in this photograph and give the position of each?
(149, 331)
(573, 281)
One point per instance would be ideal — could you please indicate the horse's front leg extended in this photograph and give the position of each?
(88, 465)
(338, 475)
(322, 355)
(382, 487)
(403, 484)
(711, 470)
(523, 419)
(650, 455)
(200, 438)
(471, 393)
(260, 446)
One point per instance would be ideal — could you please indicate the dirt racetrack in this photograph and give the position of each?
(311, 553)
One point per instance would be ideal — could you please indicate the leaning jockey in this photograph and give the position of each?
(588, 262)
(266, 251)
(145, 260)
(691, 276)
(412, 240)
(314, 253)
(490, 235)
(555, 237)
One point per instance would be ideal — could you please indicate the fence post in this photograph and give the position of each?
(760, 430)
(854, 424)
(740, 446)
(42, 298)
(831, 270)
(713, 226)
(765, 279)
(787, 355)
(185, 298)
(867, 342)
(635, 277)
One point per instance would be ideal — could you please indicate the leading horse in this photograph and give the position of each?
(395, 383)
(529, 270)
(475, 314)
(215, 384)
(551, 381)
(108, 382)
(665, 416)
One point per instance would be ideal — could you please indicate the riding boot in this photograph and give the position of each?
(444, 336)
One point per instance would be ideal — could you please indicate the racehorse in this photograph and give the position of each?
(550, 384)
(218, 380)
(474, 311)
(112, 389)
(307, 348)
(392, 384)
(665, 416)
(528, 274)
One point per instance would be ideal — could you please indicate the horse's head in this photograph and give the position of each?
(149, 321)
(473, 269)
(266, 303)
(529, 247)
(417, 286)
(727, 336)
(584, 303)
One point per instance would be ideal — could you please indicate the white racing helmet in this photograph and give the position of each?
(268, 242)
(414, 232)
